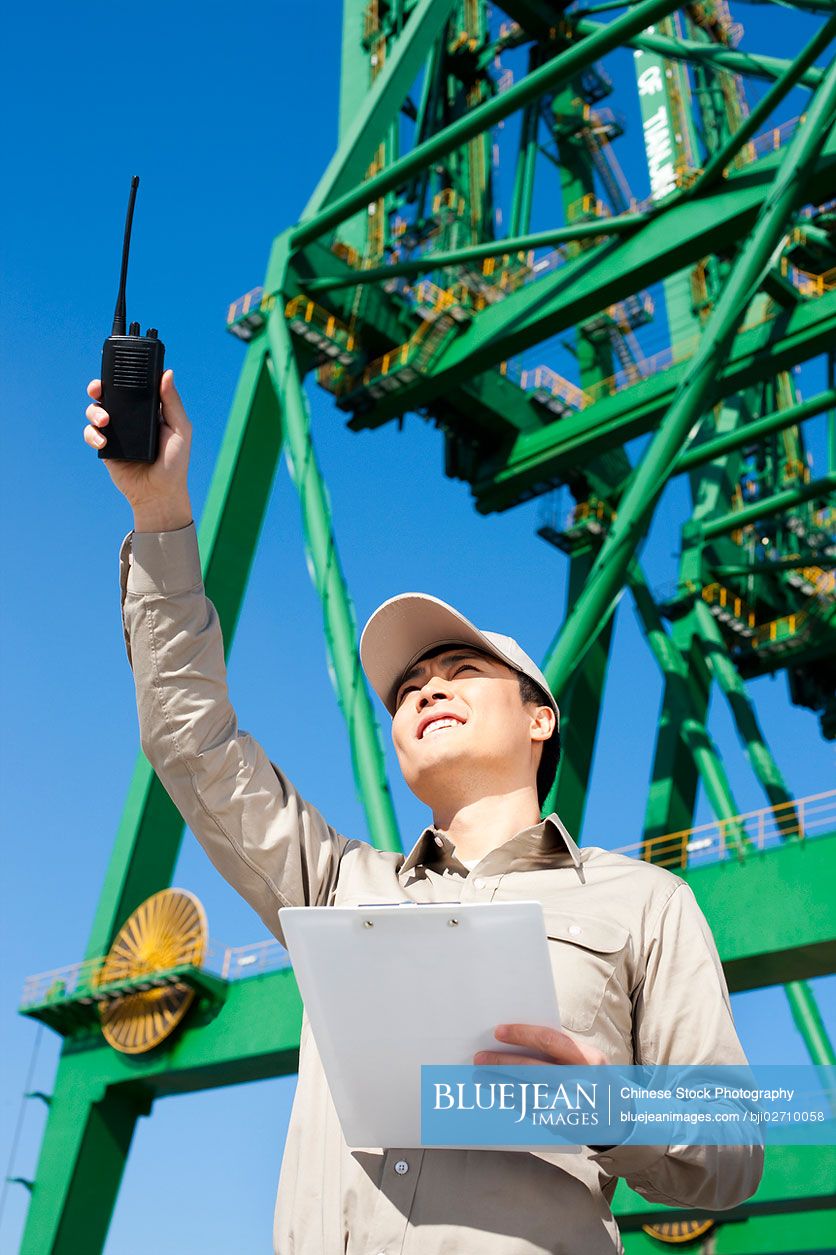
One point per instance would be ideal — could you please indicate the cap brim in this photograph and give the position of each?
(404, 628)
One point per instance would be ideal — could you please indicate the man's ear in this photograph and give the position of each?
(543, 722)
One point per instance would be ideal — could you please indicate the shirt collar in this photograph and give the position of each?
(530, 849)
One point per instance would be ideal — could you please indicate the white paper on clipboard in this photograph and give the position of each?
(390, 987)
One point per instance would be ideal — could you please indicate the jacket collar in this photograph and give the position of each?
(543, 845)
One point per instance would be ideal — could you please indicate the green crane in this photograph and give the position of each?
(400, 289)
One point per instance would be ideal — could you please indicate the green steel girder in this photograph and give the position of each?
(754, 430)
(742, 708)
(383, 100)
(66, 1014)
(750, 64)
(776, 504)
(99, 1094)
(441, 260)
(538, 459)
(477, 121)
(682, 731)
(761, 947)
(795, 1178)
(600, 594)
(341, 633)
(721, 157)
(580, 712)
(603, 275)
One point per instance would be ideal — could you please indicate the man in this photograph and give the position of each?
(475, 728)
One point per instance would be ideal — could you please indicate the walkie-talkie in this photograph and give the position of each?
(132, 367)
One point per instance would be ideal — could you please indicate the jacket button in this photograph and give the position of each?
(574, 930)
(401, 1167)
(478, 883)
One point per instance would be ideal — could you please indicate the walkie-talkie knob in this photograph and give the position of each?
(133, 330)
(152, 333)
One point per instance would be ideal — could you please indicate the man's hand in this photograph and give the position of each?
(552, 1045)
(157, 491)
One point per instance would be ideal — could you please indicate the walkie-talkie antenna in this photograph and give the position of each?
(120, 318)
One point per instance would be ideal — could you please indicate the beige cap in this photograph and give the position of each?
(407, 626)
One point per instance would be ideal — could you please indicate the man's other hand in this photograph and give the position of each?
(545, 1045)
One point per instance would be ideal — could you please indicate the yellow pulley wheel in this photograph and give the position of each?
(165, 931)
(679, 1231)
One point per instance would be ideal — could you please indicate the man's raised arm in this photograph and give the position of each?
(263, 837)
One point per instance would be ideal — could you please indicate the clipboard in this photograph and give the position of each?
(389, 987)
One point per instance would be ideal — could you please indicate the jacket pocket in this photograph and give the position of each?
(585, 952)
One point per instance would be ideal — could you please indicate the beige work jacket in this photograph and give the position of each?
(639, 975)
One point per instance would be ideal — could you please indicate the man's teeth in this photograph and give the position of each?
(440, 723)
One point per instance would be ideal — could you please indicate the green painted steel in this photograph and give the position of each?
(798, 945)
(606, 578)
(818, 488)
(808, 1020)
(699, 454)
(478, 120)
(742, 708)
(582, 700)
(540, 457)
(750, 64)
(684, 711)
(609, 273)
(338, 612)
(764, 108)
(441, 260)
(366, 129)
(99, 1094)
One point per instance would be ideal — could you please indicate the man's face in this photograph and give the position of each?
(460, 729)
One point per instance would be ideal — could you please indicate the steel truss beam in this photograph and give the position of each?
(605, 274)
(476, 252)
(539, 459)
(598, 598)
(776, 504)
(382, 102)
(337, 611)
(752, 65)
(476, 121)
(764, 108)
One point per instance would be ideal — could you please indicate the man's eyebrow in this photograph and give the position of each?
(446, 657)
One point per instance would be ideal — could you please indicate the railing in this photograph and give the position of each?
(263, 956)
(771, 140)
(543, 377)
(762, 829)
(252, 300)
(315, 324)
(806, 283)
(75, 980)
(729, 606)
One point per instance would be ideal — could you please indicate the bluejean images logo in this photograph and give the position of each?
(547, 1105)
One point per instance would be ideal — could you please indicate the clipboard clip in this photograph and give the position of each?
(409, 902)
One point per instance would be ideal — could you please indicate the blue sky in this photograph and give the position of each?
(228, 113)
